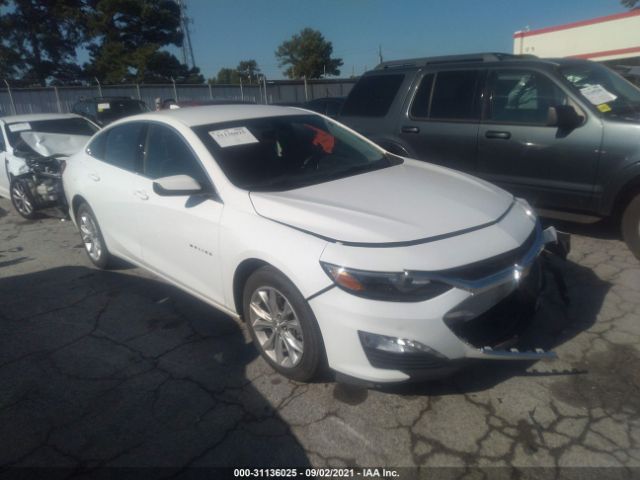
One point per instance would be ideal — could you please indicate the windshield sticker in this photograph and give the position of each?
(324, 140)
(604, 107)
(19, 127)
(103, 106)
(597, 94)
(231, 137)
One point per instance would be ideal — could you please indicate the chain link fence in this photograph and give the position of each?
(16, 101)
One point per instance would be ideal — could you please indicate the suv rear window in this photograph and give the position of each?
(372, 96)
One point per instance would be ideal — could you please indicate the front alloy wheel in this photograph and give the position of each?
(276, 327)
(22, 199)
(282, 325)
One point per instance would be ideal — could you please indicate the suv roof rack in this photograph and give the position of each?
(472, 57)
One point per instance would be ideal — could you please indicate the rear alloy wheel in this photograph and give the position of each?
(22, 199)
(92, 237)
(631, 226)
(282, 325)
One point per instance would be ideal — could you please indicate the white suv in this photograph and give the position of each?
(330, 248)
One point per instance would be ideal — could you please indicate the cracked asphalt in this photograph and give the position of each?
(118, 368)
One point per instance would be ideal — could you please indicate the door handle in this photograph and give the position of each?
(410, 129)
(95, 177)
(499, 135)
(141, 194)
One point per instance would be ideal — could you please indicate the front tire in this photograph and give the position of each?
(282, 325)
(22, 199)
(92, 237)
(631, 226)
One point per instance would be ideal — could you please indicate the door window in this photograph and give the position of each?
(168, 154)
(520, 96)
(447, 96)
(3, 148)
(420, 105)
(124, 146)
(454, 95)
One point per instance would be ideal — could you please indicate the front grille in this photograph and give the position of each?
(403, 361)
(484, 268)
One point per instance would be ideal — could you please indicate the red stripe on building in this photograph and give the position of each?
(583, 23)
(607, 53)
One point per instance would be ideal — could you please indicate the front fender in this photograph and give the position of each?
(16, 166)
(246, 235)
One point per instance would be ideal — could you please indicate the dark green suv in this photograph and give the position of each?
(563, 133)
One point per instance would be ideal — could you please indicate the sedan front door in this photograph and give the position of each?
(179, 234)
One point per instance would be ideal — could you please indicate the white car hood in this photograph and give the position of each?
(411, 202)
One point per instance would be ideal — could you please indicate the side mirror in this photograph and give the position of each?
(564, 116)
(177, 185)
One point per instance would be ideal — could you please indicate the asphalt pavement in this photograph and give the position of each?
(119, 369)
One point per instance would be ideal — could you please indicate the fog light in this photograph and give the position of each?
(394, 344)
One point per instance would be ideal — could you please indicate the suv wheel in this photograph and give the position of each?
(92, 237)
(22, 199)
(631, 226)
(282, 325)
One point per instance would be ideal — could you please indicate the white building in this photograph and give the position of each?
(614, 39)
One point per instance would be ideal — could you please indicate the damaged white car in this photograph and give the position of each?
(330, 248)
(32, 152)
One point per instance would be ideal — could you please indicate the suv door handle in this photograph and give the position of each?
(141, 195)
(410, 129)
(500, 135)
(95, 177)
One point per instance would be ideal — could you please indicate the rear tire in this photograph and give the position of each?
(282, 325)
(631, 226)
(92, 237)
(22, 199)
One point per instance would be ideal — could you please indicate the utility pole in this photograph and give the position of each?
(187, 49)
(380, 53)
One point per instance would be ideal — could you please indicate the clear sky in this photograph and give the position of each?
(227, 31)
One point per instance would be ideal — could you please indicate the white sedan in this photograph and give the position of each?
(31, 148)
(331, 249)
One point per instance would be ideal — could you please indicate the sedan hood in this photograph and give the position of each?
(411, 202)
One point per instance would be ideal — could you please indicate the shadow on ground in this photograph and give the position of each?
(108, 369)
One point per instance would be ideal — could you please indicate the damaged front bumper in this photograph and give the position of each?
(481, 319)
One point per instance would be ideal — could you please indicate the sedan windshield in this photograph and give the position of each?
(608, 91)
(64, 126)
(287, 152)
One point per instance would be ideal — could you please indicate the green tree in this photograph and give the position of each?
(226, 76)
(308, 54)
(127, 39)
(39, 40)
(629, 3)
(248, 70)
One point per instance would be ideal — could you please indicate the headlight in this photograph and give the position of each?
(390, 287)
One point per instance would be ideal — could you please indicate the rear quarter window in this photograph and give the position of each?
(372, 96)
